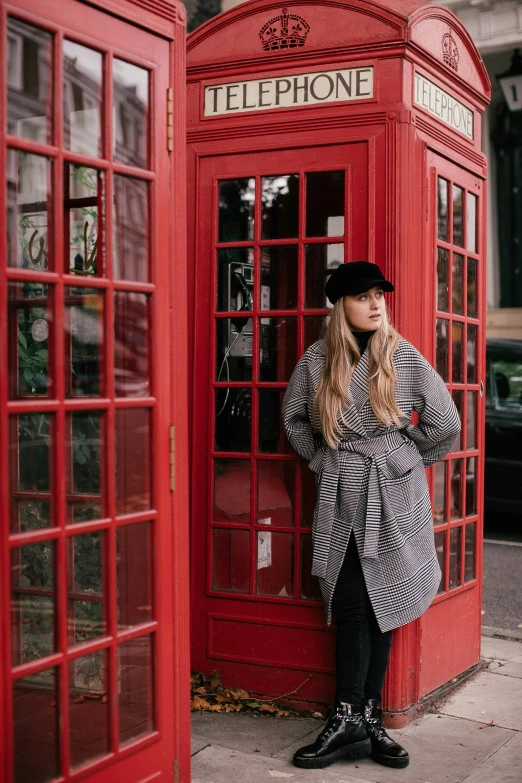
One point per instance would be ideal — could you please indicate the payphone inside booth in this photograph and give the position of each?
(319, 134)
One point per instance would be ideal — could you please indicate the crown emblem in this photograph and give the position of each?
(450, 52)
(284, 32)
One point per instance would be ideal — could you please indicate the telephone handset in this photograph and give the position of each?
(241, 293)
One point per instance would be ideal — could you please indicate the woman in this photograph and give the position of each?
(347, 411)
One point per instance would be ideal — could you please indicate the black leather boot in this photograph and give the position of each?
(343, 735)
(384, 750)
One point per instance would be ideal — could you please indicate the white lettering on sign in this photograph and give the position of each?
(284, 92)
(443, 105)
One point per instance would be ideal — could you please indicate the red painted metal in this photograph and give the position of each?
(392, 151)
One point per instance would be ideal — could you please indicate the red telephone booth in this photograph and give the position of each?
(94, 500)
(321, 133)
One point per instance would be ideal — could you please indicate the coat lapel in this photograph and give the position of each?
(359, 395)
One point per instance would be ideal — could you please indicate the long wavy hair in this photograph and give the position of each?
(342, 356)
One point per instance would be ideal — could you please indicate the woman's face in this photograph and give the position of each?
(365, 311)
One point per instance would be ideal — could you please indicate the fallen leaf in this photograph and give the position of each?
(78, 700)
(215, 681)
(267, 708)
(199, 704)
(242, 694)
(216, 708)
(253, 704)
(202, 691)
(282, 713)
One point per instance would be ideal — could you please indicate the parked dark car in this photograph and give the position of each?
(503, 472)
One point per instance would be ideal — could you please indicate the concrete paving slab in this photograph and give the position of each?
(487, 698)
(504, 766)
(501, 649)
(197, 743)
(507, 668)
(517, 659)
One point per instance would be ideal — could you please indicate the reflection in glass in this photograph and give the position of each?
(472, 353)
(471, 222)
(442, 279)
(321, 261)
(133, 461)
(280, 207)
(454, 564)
(35, 727)
(308, 495)
(309, 584)
(233, 349)
(272, 439)
(28, 325)
(457, 372)
(469, 554)
(439, 493)
(85, 587)
(84, 441)
(458, 212)
(325, 204)
(130, 113)
(440, 539)
(278, 289)
(275, 564)
(88, 692)
(233, 419)
(456, 489)
(277, 348)
(442, 348)
(232, 490)
(442, 209)
(275, 493)
(32, 602)
(471, 486)
(471, 421)
(29, 81)
(28, 179)
(84, 341)
(458, 399)
(472, 288)
(82, 96)
(458, 284)
(131, 344)
(136, 688)
(235, 279)
(134, 571)
(231, 558)
(131, 229)
(84, 201)
(314, 329)
(31, 442)
(236, 209)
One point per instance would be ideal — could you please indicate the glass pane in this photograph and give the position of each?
(82, 96)
(458, 226)
(439, 548)
(325, 204)
(278, 278)
(308, 495)
(232, 490)
(458, 284)
(236, 209)
(134, 570)
(309, 584)
(458, 400)
(88, 708)
(233, 349)
(457, 335)
(130, 113)
(85, 204)
(84, 341)
(133, 461)
(471, 221)
(231, 560)
(32, 602)
(314, 329)
(277, 348)
(233, 419)
(31, 442)
(472, 288)
(469, 555)
(84, 455)
(456, 489)
(471, 422)
(28, 207)
(472, 353)
(28, 325)
(280, 196)
(442, 348)
(235, 279)
(131, 229)
(275, 564)
(454, 564)
(136, 688)
(85, 613)
(442, 209)
(471, 486)
(35, 728)
(131, 345)
(275, 493)
(29, 81)
(30, 515)
(321, 261)
(439, 493)
(507, 385)
(272, 439)
(442, 279)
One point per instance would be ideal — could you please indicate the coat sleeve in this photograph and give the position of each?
(439, 422)
(296, 421)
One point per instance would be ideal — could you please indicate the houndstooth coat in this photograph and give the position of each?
(374, 483)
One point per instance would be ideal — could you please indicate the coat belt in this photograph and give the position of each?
(388, 456)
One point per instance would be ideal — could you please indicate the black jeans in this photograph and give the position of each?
(362, 650)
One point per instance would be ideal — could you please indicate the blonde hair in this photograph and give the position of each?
(342, 356)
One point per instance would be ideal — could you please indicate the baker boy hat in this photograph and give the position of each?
(355, 278)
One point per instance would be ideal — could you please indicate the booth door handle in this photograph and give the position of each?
(481, 389)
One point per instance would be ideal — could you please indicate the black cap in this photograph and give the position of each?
(355, 278)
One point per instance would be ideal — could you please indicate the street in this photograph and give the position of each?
(502, 594)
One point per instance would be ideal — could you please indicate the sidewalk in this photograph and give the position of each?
(474, 737)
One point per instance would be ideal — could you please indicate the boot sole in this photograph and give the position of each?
(354, 751)
(389, 761)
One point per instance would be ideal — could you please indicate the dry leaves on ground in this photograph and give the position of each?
(208, 694)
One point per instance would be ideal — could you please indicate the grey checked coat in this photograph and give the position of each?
(375, 483)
